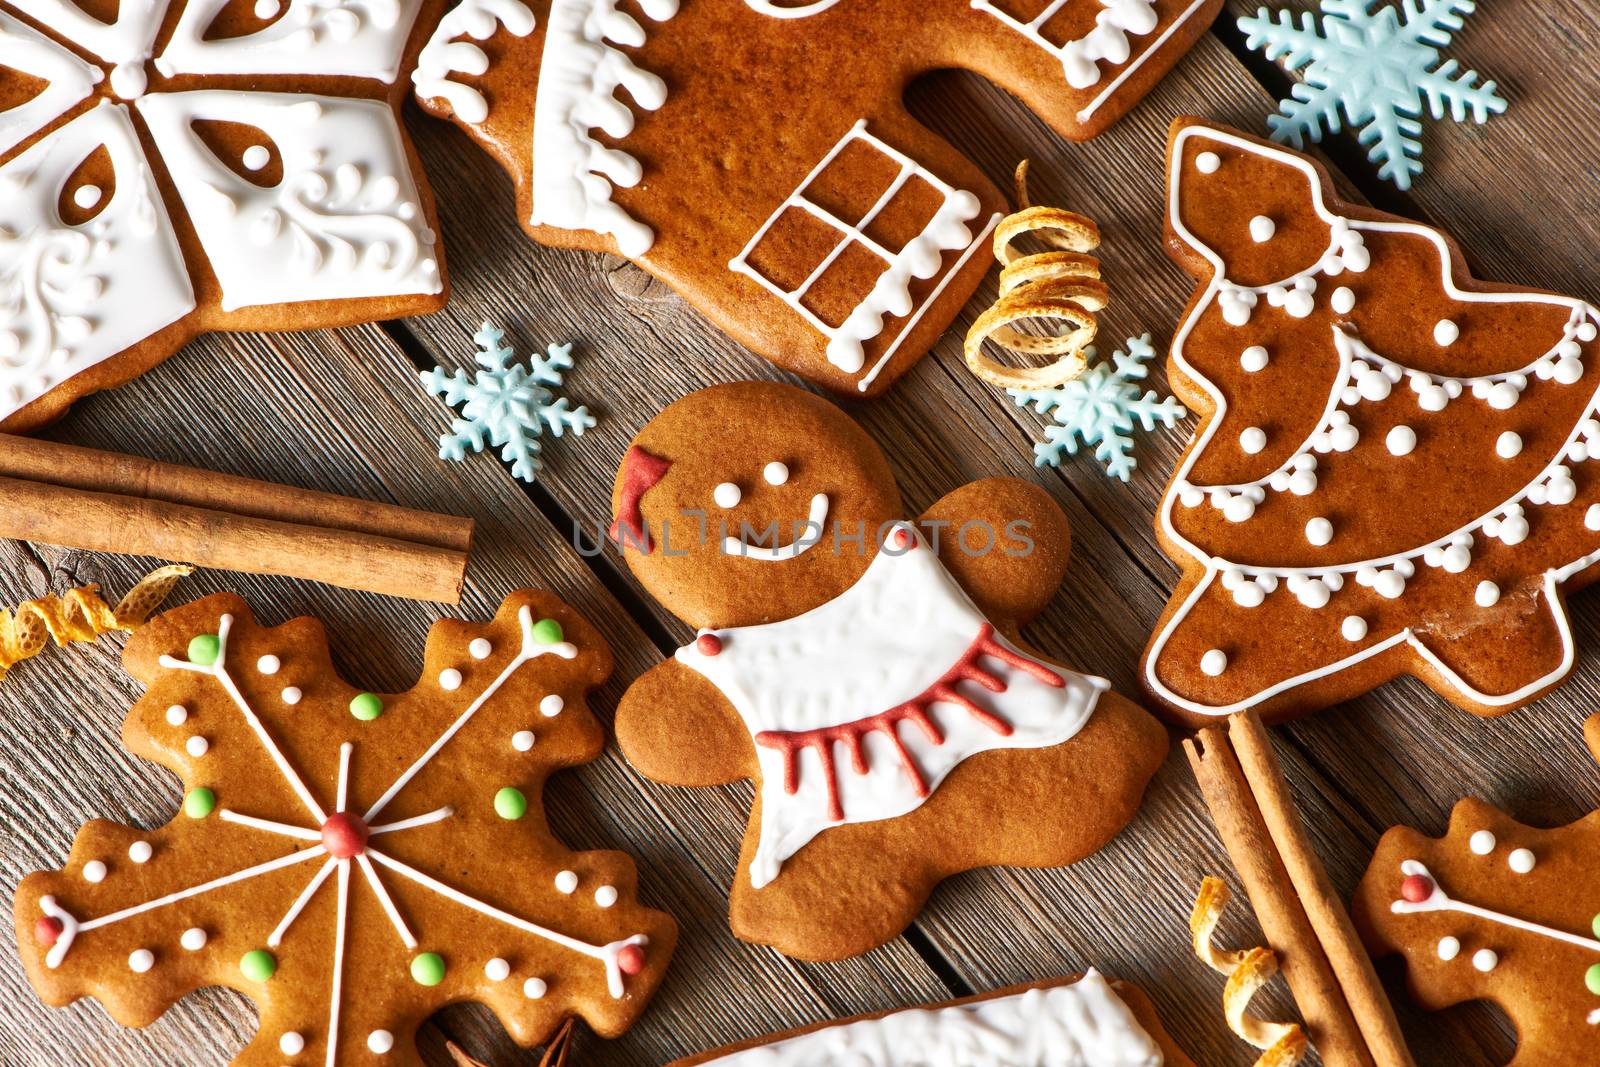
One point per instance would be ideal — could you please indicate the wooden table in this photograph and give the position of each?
(342, 410)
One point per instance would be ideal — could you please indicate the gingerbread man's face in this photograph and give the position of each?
(750, 503)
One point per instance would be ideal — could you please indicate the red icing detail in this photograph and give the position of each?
(1416, 888)
(708, 644)
(344, 836)
(902, 538)
(792, 742)
(640, 473)
(631, 959)
(47, 931)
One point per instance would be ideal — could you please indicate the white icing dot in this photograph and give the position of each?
(1253, 440)
(727, 495)
(1487, 596)
(1521, 860)
(291, 1044)
(380, 1041)
(177, 714)
(1354, 628)
(551, 705)
(497, 970)
(1591, 518)
(1319, 531)
(775, 473)
(193, 939)
(449, 679)
(534, 988)
(1445, 333)
(567, 881)
(292, 695)
(94, 871)
(140, 852)
(86, 196)
(1262, 229)
(1485, 960)
(1207, 162)
(256, 156)
(1401, 440)
(265, 9)
(522, 740)
(196, 746)
(1482, 843)
(605, 896)
(480, 648)
(1508, 445)
(141, 960)
(268, 664)
(1253, 359)
(1214, 662)
(1344, 300)
(1449, 948)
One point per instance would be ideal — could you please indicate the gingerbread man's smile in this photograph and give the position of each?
(807, 533)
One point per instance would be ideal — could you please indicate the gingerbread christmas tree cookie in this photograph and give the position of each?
(353, 861)
(1395, 473)
(758, 156)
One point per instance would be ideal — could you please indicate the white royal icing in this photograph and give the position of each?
(74, 296)
(344, 223)
(573, 173)
(1364, 375)
(790, 11)
(446, 55)
(354, 38)
(1084, 1024)
(67, 79)
(878, 645)
(1484, 959)
(124, 44)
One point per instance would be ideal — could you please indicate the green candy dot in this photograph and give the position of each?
(258, 965)
(204, 649)
(509, 803)
(1591, 978)
(198, 803)
(428, 968)
(547, 631)
(366, 706)
(1595, 926)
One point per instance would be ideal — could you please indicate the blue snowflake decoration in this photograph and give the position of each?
(506, 404)
(1378, 69)
(1098, 408)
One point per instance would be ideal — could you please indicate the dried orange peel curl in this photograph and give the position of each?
(80, 615)
(1248, 970)
(1062, 285)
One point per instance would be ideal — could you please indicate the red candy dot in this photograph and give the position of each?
(1416, 888)
(708, 644)
(631, 960)
(344, 836)
(902, 538)
(47, 931)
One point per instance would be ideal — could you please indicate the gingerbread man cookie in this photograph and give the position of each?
(171, 167)
(759, 158)
(1395, 472)
(1499, 911)
(866, 672)
(353, 861)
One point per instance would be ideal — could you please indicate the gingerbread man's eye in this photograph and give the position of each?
(775, 473)
(727, 495)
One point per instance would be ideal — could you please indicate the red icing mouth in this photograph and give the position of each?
(344, 836)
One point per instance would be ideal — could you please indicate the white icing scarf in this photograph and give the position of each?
(883, 643)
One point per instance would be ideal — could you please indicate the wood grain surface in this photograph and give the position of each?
(342, 411)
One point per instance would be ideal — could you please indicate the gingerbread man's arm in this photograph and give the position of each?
(676, 728)
(1027, 538)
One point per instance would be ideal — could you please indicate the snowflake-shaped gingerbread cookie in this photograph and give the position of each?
(353, 861)
(199, 165)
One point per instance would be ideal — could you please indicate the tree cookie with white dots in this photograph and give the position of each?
(1496, 910)
(1393, 473)
(353, 861)
(865, 670)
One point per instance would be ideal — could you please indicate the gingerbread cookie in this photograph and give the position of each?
(1085, 1021)
(864, 671)
(353, 861)
(177, 166)
(759, 158)
(1393, 472)
(1499, 911)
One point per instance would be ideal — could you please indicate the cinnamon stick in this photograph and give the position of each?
(1323, 907)
(1331, 1025)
